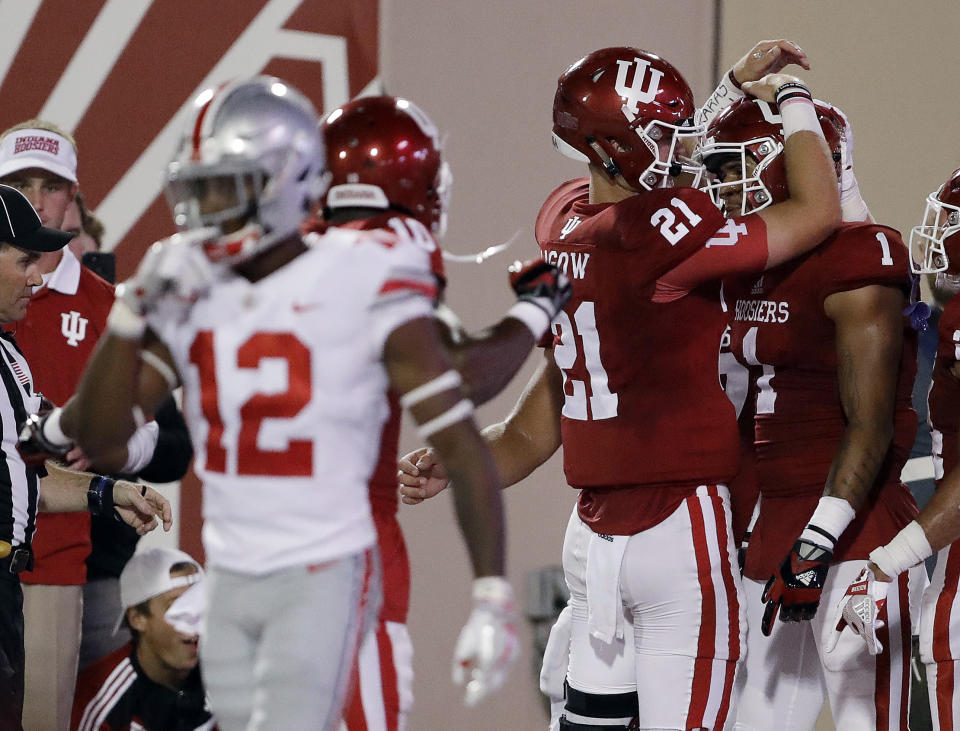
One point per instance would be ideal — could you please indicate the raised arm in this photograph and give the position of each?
(766, 57)
(131, 371)
(812, 212)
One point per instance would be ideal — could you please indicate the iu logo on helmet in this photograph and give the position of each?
(635, 94)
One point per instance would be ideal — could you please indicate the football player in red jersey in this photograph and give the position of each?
(935, 250)
(630, 389)
(834, 362)
(387, 172)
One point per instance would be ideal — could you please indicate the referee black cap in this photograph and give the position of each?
(20, 225)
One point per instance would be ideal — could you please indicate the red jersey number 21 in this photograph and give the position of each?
(294, 461)
(603, 403)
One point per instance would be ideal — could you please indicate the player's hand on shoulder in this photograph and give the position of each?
(542, 284)
(487, 646)
(173, 268)
(769, 57)
(421, 476)
(861, 608)
(794, 591)
(766, 88)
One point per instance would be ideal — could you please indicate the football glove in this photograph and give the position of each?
(795, 589)
(542, 284)
(861, 607)
(35, 446)
(487, 646)
(174, 267)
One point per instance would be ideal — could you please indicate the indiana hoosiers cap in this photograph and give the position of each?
(147, 574)
(20, 225)
(38, 148)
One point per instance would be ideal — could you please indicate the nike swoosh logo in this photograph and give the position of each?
(298, 307)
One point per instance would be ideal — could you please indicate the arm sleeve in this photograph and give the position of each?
(174, 451)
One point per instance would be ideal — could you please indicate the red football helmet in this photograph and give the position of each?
(384, 152)
(626, 110)
(934, 244)
(750, 131)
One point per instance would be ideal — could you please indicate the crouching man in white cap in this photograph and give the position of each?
(153, 683)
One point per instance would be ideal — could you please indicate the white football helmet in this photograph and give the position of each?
(931, 250)
(251, 163)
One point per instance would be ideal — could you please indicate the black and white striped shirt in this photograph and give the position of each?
(18, 482)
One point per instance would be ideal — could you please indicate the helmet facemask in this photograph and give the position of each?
(251, 172)
(754, 158)
(665, 143)
(928, 252)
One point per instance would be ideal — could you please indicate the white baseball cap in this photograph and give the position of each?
(147, 574)
(38, 148)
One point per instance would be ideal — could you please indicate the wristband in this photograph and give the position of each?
(733, 79)
(100, 495)
(799, 115)
(492, 590)
(532, 315)
(461, 410)
(124, 322)
(829, 521)
(792, 90)
(908, 548)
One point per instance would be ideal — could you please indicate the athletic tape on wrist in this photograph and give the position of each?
(52, 431)
(493, 589)
(156, 362)
(829, 520)
(726, 93)
(531, 315)
(799, 115)
(444, 382)
(463, 409)
(908, 548)
(124, 322)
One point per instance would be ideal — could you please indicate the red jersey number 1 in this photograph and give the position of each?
(297, 459)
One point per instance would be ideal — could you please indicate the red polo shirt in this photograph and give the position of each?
(64, 321)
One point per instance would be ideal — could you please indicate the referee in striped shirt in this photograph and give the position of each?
(26, 488)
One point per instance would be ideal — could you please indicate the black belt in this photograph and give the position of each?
(19, 559)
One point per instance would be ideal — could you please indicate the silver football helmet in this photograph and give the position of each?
(250, 163)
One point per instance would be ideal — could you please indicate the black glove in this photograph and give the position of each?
(795, 589)
(542, 284)
(33, 445)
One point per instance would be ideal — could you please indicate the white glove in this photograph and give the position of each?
(487, 646)
(173, 274)
(860, 609)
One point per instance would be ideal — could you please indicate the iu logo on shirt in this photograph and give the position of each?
(73, 327)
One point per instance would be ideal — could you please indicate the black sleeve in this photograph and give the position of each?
(173, 453)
